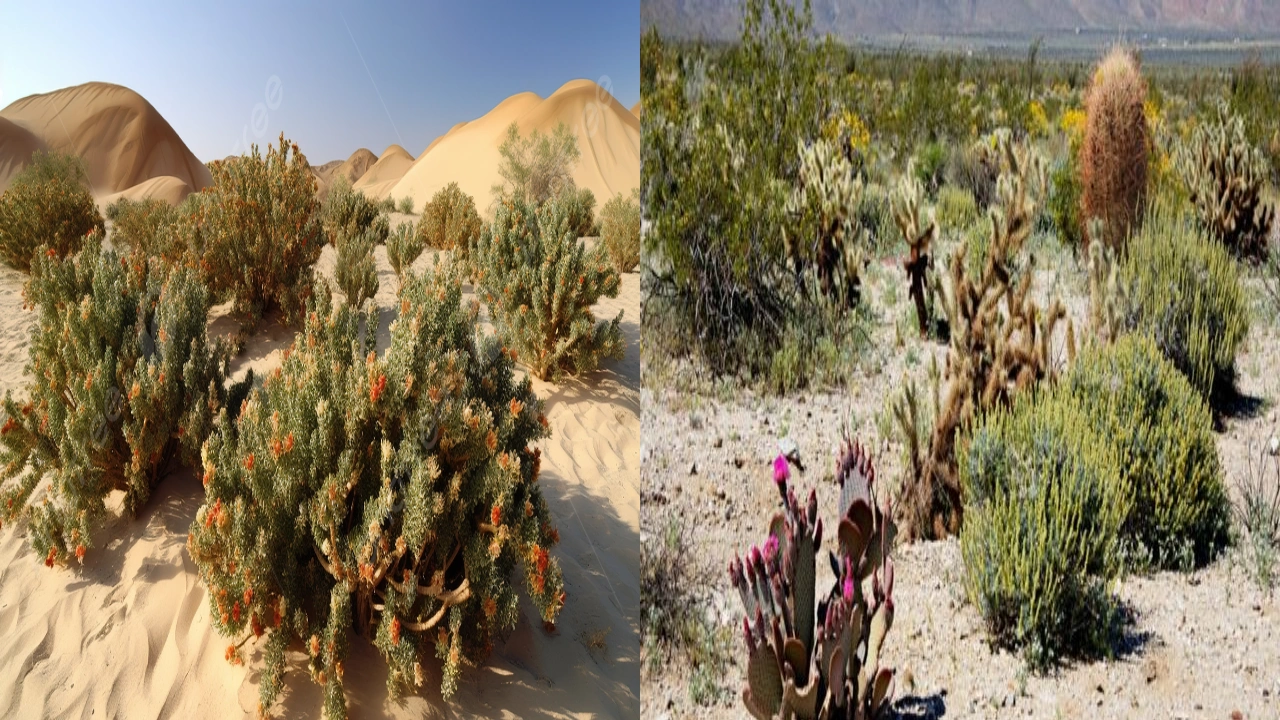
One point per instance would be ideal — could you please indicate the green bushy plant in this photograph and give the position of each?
(1063, 204)
(406, 205)
(930, 166)
(48, 203)
(1183, 291)
(580, 203)
(1044, 502)
(124, 382)
(956, 209)
(1224, 175)
(348, 211)
(540, 283)
(976, 167)
(810, 656)
(450, 222)
(392, 496)
(259, 232)
(620, 231)
(537, 167)
(151, 226)
(354, 270)
(404, 245)
(1113, 156)
(823, 241)
(1163, 432)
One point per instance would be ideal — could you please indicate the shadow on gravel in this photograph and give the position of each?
(1231, 403)
(916, 707)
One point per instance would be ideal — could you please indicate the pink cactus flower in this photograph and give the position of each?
(781, 471)
(848, 588)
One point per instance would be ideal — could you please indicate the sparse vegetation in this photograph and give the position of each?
(450, 222)
(48, 204)
(536, 167)
(620, 231)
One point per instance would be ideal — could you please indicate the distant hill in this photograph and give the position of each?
(850, 19)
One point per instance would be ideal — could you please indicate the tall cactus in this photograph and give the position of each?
(811, 658)
(1113, 158)
(1224, 175)
(919, 238)
(825, 237)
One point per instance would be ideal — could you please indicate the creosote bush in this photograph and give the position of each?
(404, 245)
(47, 204)
(1113, 157)
(450, 222)
(540, 283)
(393, 496)
(348, 211)
(620, 231)
(406, 205)
(354, 269)
(151, 226)
(124, 383)
(539, 166)
(1044, 503)
(1163, 432)
(258, 232)
(1182, 290)
(580, 204)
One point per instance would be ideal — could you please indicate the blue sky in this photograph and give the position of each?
(206, 68)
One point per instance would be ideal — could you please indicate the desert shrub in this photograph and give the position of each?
(1063, 204)
(823, 241)
(975, 167)
(354, 269)
(1257, 514)
(580, 203)
(450, 222)
(1224, 175)
(1113, 157)
(537, 167)
(540, 283)
(1044, 502)
(1163, 433)
(386, 205)
(259, 232)
(47, 204)
(620, 231)
(1182, 290)
(406, 205)
(391, 496)
(151, 226)
(404, 245)
(348, 211)
(124, 383)
(930, 166)
(956, 208)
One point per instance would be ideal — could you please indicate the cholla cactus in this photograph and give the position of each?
(1000, 344)
(124, 382)
(48, 203)
(540, 283)
(826, 664)
(354, 270)
(919, 238)
(258, 232)
(826, 238)
(393, 496)
(450, 222)
(1224, 176)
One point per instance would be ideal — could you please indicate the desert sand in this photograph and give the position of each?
(635, 109)
(382, 176)
(608, 139)
(355, 166)
(123, 139)
(129, 634)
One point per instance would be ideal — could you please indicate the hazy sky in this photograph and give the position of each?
(207, 67)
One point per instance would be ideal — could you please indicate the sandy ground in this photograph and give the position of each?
(1199, 645)
(129, 634)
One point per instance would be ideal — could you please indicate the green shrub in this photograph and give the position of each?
(404, 245)
(348, 211)
(386, 205)
(1224, 175)
(537, 167)
(1163, 432)
(540, 283)
(259, 233)
(930, 166)
(354, 270)
(580, 203)
(1182, 290)
(124, 382)
(151, 226)
(956, 208)
(975, 167)
(393, 496)
(1044, 501)
(47, 204)
(1113, 157)
(823, 241)
(406, 205)
(1063, 204)
(450, 222)
(620, 231)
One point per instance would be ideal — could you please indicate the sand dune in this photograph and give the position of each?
(323, 172)
(378, 180)
(166, 187)
(608, 138)
(123, 140)
(354, 167)
(635, 109)
(129, 635)
(16, 145)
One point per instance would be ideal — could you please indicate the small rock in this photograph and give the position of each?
(738, 462)
(1273, 447)
(1009, 700)
(695, 422)
(728, 514)
(791, 451)
(693, 468)
(719, 442)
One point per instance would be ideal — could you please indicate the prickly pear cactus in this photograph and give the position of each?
(819, 658)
